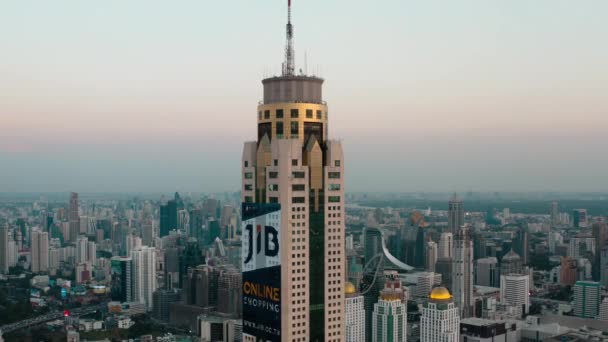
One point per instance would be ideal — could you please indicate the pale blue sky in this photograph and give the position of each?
(426, 95)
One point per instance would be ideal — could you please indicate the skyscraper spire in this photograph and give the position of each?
(289, 64)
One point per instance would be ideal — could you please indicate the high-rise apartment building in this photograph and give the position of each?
(587, 297)
(4, 250)
(462, 272)
(554, 214)
(73, 218)
(440, 319)
(515, 291)
(446, 243)
(354, 314)
(579, 218)
(293, 163)
(40, 251)
(455, 214)
(82, 242)
(143, 275)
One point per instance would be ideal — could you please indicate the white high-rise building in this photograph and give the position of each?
(40, 251)
(455, 214)
(354, 314)
(462, 272)
(446, 244)
(440, 319)
(92, 252)
(82, 243)
(143, 275)
(515, 291)
(604, 309)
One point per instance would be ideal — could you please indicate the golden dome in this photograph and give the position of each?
(440, 293)
(349, 288)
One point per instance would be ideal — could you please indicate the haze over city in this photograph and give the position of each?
(432, 95)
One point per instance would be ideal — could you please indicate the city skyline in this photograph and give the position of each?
(105, 98)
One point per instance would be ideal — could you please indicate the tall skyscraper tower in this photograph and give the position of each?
(446, 243)
(462, 272)
(294, 164)
(73, 217)
(455, 214)
(587, 298)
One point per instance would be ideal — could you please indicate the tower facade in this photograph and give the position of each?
(462, 272)
(73, 217)
(354, 315)
(440, 320)
(455, 214)
(144, 275)
(446, 243)
(587, 298)
(294, 164)
(515, 291)
(40, 251)
(4, 250)
(389, 319)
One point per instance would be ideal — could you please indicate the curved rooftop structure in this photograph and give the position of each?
(440, 293)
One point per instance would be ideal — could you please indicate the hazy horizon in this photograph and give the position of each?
(426, 95)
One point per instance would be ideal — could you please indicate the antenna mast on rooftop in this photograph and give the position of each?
(289, 64)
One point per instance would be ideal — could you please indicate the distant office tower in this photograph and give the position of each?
(568, 271)
(587, 297)
(555, 239)
(440, 319)
(201, 286)
(197, 221)
(600, 235)
(446, 243)
(511, 263)
(143, 276)
(487, 272)
(389, 319)
(162, 299)
(443, 266)
(579, 218)
(354, 314)
(4, 250)
(431, 256)
(92, 252)
(168, 215)
(74, 217)
(515, 291)
(82, 243)
(40, 251)
(455, 214)
(420, 254)
(148, 232)
(121, 284)
(581, 246)
(230, 285)
(521, 245)
(554, 214)
(293, 163)
(373, 248)
(462, 272)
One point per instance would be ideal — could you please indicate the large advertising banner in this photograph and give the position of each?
(261, 258)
